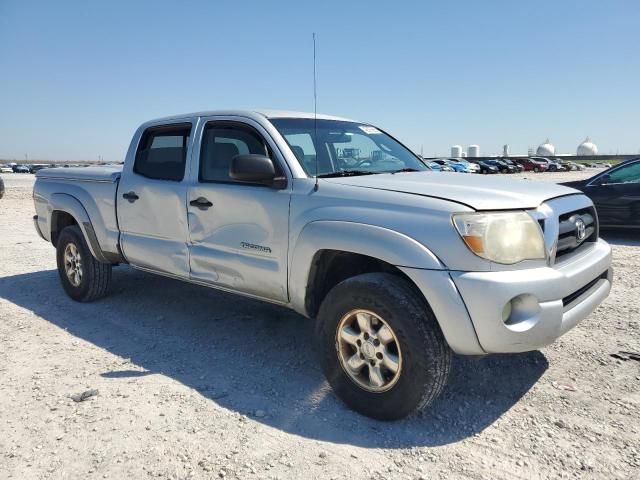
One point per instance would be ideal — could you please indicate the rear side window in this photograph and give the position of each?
(223, 141)
(162, 152)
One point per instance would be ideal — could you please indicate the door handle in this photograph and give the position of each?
(131, 196)
(201, 202)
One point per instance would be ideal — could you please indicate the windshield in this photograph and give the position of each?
(336, 147)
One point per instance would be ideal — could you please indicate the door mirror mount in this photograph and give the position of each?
(603, 180)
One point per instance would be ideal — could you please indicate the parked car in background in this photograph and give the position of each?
(1, 187)
(615, 194)
(470, 167)
(501, 166)
(442, 163)
(439, 166)
(519, 168)
(453, 165)
(568, 166)
(35, 168)
(530, 164)
(571, 165)
(510, 167)
(485, 168)
(20, 169)
(6, 169)
(552, 166)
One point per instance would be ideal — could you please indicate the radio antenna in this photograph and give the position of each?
(315, 109)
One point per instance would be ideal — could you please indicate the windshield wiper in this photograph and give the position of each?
(404, 170)
(346, 173)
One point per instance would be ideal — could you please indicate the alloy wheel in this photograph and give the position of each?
(73, 264)
(369, 351)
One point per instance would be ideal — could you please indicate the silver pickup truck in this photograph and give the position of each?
(398, 266)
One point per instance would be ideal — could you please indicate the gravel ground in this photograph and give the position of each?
(193, 383)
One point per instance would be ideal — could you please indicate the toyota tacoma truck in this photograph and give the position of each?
(398, 267)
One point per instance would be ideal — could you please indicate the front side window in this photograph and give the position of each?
(332, 147)
(220, 143)
(627, 174)
(162, 152)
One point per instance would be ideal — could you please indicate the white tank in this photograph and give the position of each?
(456, 151)
(464, 154)
(473, 151)
(546, 149)
(587, 148)
(505, 150)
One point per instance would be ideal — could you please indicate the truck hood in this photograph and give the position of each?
(479, 192)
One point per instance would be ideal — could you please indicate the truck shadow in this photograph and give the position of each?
(248, 356)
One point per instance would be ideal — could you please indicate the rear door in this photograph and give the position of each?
(238, 231)
(151, 201)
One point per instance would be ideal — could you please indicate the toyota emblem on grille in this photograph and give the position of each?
(581, 229)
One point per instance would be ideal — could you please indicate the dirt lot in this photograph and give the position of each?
(198, 384)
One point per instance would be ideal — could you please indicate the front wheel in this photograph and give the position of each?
(84, 278)
(381, 347)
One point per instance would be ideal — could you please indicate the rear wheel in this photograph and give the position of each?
(82, 276)
(381, 347)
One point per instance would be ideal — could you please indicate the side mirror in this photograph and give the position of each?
(603, 180)
(254, 168)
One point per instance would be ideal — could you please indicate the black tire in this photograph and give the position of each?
(96, 276)
(426, 356)
(536, 169)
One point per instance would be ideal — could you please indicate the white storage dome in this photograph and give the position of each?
(587, 148)
(473, 151)
(456, 151)
(546, 149)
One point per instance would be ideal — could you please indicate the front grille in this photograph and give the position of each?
(569, 229)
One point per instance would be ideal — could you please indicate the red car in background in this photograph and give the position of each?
(530, 164)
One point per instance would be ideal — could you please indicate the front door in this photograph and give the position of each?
(151, 203)
(238, 231)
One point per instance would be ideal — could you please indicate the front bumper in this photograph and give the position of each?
(546, 302)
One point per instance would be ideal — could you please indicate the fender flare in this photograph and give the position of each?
(63, 202)
(378, 242)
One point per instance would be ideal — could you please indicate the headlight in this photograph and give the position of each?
(502, 237)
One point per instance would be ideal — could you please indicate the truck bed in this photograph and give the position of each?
(109, 173)
(86, 193)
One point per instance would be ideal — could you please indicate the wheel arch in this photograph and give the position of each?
(330, 267)
(327, 252)
(67, 210)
